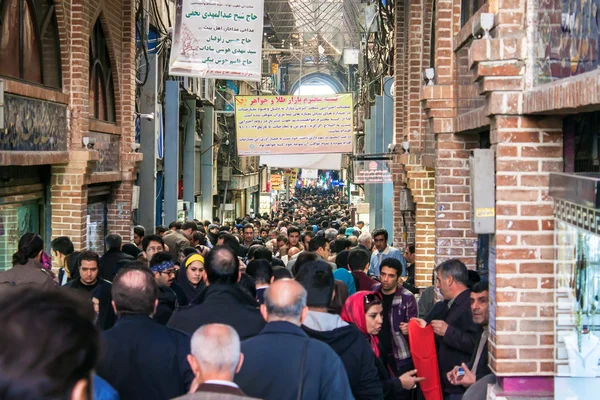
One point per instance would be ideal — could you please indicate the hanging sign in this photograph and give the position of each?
(294, 124)
(275, 182)
(218, 39)
(371, 171)
(308, 173)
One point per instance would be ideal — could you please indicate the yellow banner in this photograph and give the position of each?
(294, 124)
(292, 174)
(275, 182)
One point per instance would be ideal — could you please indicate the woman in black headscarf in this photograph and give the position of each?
(190, 278)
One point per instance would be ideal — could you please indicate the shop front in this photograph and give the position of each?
(22, 208)
(577, 284)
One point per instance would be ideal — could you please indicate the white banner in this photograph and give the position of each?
(313, 161)
(219, 39)
(308, 173)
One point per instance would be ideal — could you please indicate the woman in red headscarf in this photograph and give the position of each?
(364, 309)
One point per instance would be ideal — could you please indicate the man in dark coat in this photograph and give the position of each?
(456, 334)
(282, 362)
(478, 367)
(143, 359)
(222, 301)
(108, 262)
(97, 288)
(346, 340)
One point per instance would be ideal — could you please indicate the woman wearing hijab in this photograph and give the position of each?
(190, 279)
(364, 309)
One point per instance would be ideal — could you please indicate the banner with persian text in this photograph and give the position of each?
(294, 124)
(276, 181)
(219, 39)
(371, 171)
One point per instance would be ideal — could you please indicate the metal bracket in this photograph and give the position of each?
(375, 156)
(1, 103)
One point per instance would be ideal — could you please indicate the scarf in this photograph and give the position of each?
(354, 313)
(190, 291)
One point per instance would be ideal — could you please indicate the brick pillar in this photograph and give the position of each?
(421, 181)
(527, 150)
(120, 208)
(70, 195)
(454, 238)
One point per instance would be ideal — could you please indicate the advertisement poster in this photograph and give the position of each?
(276, 182)
(292, 175)
(218, 39)
(294, 124)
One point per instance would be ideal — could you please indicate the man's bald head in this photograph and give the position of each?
(222, 266)
(285, 300)
(134, 291)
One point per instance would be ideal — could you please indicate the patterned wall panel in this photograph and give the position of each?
(33, 125)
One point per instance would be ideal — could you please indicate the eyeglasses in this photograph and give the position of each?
(168, 272)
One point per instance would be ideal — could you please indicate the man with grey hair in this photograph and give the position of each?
(282, 362)
(456, 334)
(365, 241)
(330, 234)
(108, 262)
(215, 359)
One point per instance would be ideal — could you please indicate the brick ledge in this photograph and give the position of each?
(102, 177)
(34, 91)
(25, 158)
(472, 120)
(566, 96)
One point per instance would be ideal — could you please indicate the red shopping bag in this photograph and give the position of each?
(424, 355)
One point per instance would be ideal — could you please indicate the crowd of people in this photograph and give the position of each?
(300, 304)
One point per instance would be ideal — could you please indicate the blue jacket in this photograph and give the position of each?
(145, 360)
(273, 360)
(103, 391)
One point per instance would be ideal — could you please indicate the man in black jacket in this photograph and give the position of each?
(113, 255)
(346, 340)
(222, 301)
(97, 288)
(282, 362)
(477, 368)
(452, 320)
(163, 268)
(143, 359)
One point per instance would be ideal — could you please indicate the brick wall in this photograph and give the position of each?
(76, 19)
(413, 44)
(480, 86)
(527, 150)
(454, 238)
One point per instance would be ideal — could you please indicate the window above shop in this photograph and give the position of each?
(102, 92)
(29, 44)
